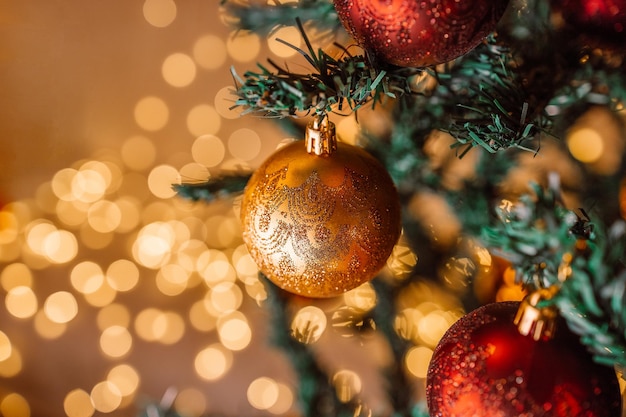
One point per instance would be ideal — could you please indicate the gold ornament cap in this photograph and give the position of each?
(534, 320)
(320, 137)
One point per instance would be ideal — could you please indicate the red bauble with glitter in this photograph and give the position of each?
(484, 367)
(598, 19)
(416, 33)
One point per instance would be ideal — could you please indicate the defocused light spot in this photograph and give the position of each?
(169, 328)
(308, 324)
(61, 307)
(348, 129)
(15, 275)
(151, 113)
(21, 302)
(122, 275)
(46, 328)
(138, 153)
(201, 319)
(586, 145)
(116, 341)
(234, 331)
(178, 70)
(5, 347)
(105, 397)
(243, 47)
(190, 402)
(93, 239)
(8, 227)
(194, 172)
(417, 361)
(406, 323)
(213, 267)
(208, 150)
(244, 264)
(36, 233)
(213, 362)
(347, 385)
(89, 185)
(14, 405)
(262, 393)
(203, 119)
(87, 277)
(159, 13)
(12, 365)
(129, 210)
(209, 51)
(144, 324)
(161, 179)
(62, 183)
(172, 279)
(226, 297)
(288, 34)
(72, 213)
(432, 327)
(103, 296)
(104, 216)
(284, 401)
(224, 102)
(244, 144)
(125, 378)
(362, 298)
(153, 245)
(113, 315)
(77, 403)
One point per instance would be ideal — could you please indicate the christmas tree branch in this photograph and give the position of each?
(266, 18)
(222, 186)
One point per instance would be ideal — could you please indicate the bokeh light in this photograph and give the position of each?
(159, 13)
(14, 405)
(77, 403)
(151, 113)
(179, 70)
(209, 52)
(212, 362)
(203, 119)
(243, 47)
(116, 341)
(105, 397)
(308, 324)
(61, 307)
(208, 150)
(263, 393)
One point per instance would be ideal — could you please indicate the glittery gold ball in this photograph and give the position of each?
(318, 226)
(415, 33)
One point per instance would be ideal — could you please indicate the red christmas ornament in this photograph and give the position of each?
(484, 367)
(415, 33)
(602, 19)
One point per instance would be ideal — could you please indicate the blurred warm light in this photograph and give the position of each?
(21, 302)
(151, 113)
(105, 397)
(15, 275)
(138, 153)
(145, 322)
(243, 47)
(60, 246)
(432, 327)
(116, 341)
(208, 150)
(284, 402)
(417, 360)
(62, 183)
(159, 13)
(244, 144)
(12, 365)
(214, 267)
(36, 233)
(87, 277)
(88, 185)
(190, 402)
(348, 129)
(8, 227)
(347, 385)
(61, 307)
(224, 103)
(234, 331)
(122, 275)
(262, 393)
(153, 245)
(362, 298)
(160, 181)
(308, 324)
(203, 119)
(406, 322)
(244, 264)
(585, 144)
(14, 405)
(77, 403)
(172, 279)
(46, 328)
(113, 315)
(178, 70)
(103, 296)
(104, 216)
(212, 362)
(288, 34)
(401, 261)
(201, 319)
(169, 327)
(5, 347)
(125, 378)
(209, 52)
(222, 231)
(226, 297)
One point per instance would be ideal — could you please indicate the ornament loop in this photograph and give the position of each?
(537, 321)
(321, 138)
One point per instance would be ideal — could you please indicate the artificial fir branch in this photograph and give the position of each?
(222, 186)
(266, 18)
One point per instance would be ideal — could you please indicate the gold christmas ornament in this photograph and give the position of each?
(320, 218)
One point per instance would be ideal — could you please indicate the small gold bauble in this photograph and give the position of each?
(320, 219)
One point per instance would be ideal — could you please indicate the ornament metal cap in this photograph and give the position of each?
(320, 137)
(534, 320)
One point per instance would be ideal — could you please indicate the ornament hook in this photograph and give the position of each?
(535, 320)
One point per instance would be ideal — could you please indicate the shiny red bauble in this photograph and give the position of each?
(416, 33)
(600, 19)
(483, 367)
